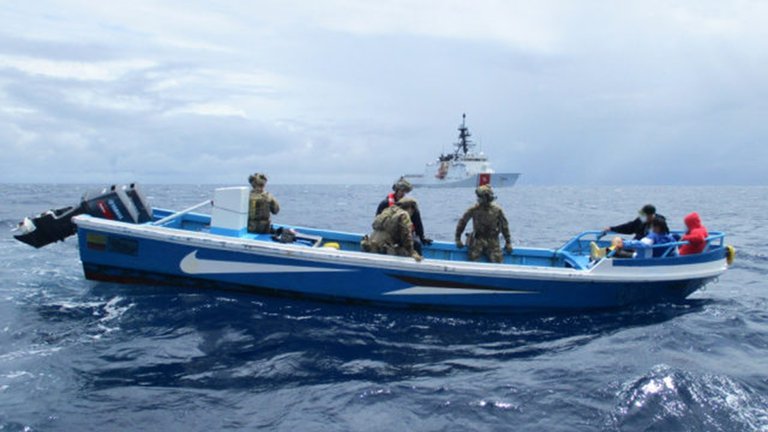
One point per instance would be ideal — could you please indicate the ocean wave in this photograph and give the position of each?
(672, 399)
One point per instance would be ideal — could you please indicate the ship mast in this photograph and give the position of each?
(464, 143)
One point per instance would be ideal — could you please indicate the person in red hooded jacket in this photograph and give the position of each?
(696, 235)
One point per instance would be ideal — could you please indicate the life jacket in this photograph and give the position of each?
(391, 200)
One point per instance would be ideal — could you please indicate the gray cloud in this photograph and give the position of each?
(633, 93)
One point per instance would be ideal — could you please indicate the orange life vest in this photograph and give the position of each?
(391, 200)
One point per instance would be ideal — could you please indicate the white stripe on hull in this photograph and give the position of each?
(191, 264)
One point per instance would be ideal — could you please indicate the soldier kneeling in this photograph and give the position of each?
(393, 231)
(488, 221)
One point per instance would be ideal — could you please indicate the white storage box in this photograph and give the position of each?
(230, 211)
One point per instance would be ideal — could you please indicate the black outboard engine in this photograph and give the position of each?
(121, 203)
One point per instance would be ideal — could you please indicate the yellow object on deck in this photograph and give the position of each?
(596, 252)
(332, 245)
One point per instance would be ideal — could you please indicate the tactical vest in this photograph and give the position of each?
(259, 212)
(388, 221)
(259, 206)
(485, 222)
(391, 201)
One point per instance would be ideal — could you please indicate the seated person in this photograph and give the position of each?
(640, 226)
(696, 236)
(642, 248)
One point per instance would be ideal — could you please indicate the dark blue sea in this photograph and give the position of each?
(83, 356)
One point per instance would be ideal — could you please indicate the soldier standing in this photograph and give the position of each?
(261, 205)
(488, 221)
(392, 232)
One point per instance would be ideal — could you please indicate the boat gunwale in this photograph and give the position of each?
(603, 272)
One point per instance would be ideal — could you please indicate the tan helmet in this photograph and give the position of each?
(402, 184)
(407, 202)
(485, 192)
(257, 179)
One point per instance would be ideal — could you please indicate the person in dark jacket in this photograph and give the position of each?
(644, 248)
(696, 236)
(640, 227)
(399, 190)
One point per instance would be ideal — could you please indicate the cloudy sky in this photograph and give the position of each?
(567, 92)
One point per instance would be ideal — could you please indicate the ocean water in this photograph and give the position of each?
(80, 356)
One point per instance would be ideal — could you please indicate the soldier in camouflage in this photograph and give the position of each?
(488, 221)
(399, 190)
(261, 205)
(392, 232)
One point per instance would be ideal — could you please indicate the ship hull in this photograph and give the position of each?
(497, 180)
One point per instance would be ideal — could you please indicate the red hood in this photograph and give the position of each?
(693, 221)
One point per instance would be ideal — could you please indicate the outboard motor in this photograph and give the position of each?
(123, 203)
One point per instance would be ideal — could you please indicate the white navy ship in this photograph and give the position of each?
(462, 168)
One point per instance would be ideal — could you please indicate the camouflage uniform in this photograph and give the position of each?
(261, 206)
(392, 233)
(488, 221)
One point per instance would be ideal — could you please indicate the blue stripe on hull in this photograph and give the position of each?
(141, 260)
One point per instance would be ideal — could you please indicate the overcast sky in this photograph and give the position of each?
(571, 92)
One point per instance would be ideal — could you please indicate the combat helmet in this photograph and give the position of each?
(407, 202)
(257, 179)
(402, 184)
(485, 193)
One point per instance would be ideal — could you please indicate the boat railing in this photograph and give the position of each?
(580, 243)
(715, 238)
(173, 216)
(574, 244)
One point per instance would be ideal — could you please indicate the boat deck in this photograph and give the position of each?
(573, 254)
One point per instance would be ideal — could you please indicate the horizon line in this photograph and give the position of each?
(384, 184)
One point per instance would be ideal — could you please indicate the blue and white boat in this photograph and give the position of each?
(215, 251)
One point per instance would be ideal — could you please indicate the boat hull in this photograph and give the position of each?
(497, 180)
(120, 252)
